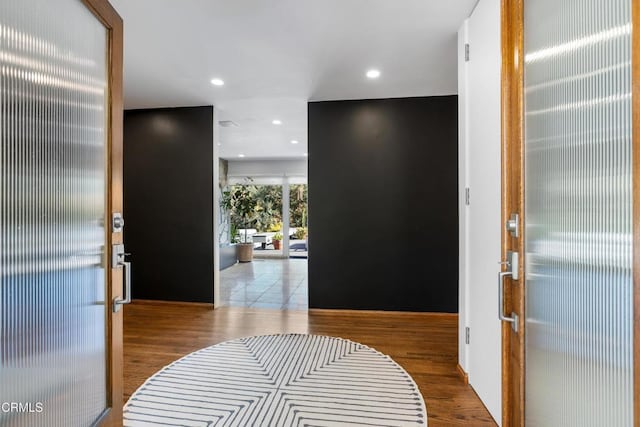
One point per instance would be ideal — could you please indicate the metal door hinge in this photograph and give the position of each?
(467, 335)
(466, 52)
(467, 196)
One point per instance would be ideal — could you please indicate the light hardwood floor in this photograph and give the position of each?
(156, 334)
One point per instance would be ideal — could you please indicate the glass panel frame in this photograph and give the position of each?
(54, 167)
(578, 199)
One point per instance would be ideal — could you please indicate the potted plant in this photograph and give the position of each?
(276, 240)
(241, 202)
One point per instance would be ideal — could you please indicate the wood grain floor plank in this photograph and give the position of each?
(425, 345)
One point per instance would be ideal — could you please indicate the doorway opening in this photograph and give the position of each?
(264, 227)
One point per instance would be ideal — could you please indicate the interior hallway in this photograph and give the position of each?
(425, 345)
(266, 283)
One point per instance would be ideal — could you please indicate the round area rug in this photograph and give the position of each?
(280, 381)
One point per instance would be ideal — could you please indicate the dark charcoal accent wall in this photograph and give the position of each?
(168, 202)
(383, 207)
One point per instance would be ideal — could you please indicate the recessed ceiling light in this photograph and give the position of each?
(240, 155)
(217, 82)
(373, 74)
(306, 154)
(294, 141)
(277, 122)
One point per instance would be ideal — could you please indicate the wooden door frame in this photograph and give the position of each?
(512, 22)
(512, 83)
(108, 16)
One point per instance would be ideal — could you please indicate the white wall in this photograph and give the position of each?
(463, 154)
(267, 168)
(480, 221)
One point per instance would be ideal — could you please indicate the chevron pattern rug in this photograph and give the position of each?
(279, 381)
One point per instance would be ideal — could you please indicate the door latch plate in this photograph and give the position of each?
(117, 255)
(513, 264)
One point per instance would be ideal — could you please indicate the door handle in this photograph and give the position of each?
(514, 317)
(118, 261)
(513, 266)
(119, 302)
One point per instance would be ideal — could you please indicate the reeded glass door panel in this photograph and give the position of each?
(578, 213)
(53, 86)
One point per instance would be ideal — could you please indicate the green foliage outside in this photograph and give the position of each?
(260, 206)
(241, 203)
(269, 208)
(298, 199)
(300, 234)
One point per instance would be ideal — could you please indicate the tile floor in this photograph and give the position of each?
(266, 283)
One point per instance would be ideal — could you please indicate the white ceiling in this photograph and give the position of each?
(275, 55)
